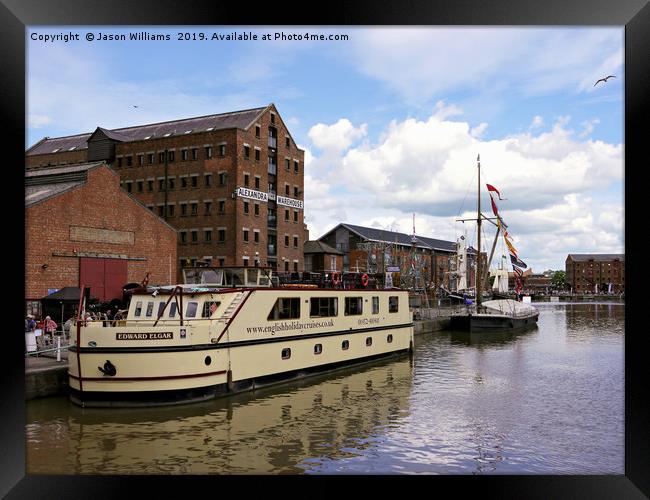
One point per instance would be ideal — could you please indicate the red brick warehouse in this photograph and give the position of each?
(82, 229)
(232, 184)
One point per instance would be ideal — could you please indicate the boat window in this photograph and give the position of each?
(353, 306)
(323, 307)
(210, 276)
(190, 312)
(161, 309)
(286, 353)
(209, 306)
(173, 307)
(149, 309)
(393, 304)
(345, 345)
(138, 308)
(234, 277)
(285, 308)
(375, 305)
(368, 341)
(251, 276)
(389, 338)
(264, 278)
(318, 348)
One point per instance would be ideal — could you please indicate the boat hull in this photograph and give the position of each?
(121, 399)
(491, 323)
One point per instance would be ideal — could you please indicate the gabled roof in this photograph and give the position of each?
(385, 236)
(584, 257)
(116, 136)
(315, 246)
(59, 144)
(447, 246)
(46, 182)
(235, 119)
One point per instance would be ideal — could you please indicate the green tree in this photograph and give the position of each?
(558, 279)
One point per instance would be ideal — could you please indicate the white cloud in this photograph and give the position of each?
(419, 63)
(428, 167)
(537, 122)
(336, 137)
(589, 127)
(38, 121)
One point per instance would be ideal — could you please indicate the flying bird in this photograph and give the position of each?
(135, 106)
(604, 79)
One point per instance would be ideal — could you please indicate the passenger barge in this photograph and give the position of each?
(228, 330)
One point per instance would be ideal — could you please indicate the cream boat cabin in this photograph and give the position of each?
(237, 331)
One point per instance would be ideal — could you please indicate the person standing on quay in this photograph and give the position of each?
(50, 326)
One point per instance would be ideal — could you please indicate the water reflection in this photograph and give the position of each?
(594, 322)
(490, 339)
(270, 430)
(548, 400)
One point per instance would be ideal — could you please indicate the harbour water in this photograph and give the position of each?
(545, 401)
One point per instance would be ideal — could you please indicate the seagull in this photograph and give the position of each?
(604, 79)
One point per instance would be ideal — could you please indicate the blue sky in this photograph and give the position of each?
(391, 119)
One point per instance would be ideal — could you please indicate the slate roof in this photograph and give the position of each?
(46, 182)
(600, 257)
(234, 119)
(385, 236)
(315, 246)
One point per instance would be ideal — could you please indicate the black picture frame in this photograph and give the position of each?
(15, 15)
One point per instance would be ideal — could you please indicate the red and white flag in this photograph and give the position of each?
(492, 188)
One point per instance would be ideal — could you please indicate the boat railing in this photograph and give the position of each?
(49, 346)
(103, 323)
(346, 280)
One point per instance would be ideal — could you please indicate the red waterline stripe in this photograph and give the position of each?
(95, 379)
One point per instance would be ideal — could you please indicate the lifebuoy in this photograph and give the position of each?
(336, 278)
(364, 280)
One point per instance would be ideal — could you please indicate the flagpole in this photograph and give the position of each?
(477, 278)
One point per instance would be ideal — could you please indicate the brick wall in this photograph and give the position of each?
(99, 204)
(236, 165)
(43, 160)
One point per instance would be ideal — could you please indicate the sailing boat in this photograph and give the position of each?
(500, 315)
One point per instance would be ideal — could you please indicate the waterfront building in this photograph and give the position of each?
(413, 257)
(322, 257)
(81, 228)
(232, 184)
(595, 273)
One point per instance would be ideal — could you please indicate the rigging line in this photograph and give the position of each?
(469, 185)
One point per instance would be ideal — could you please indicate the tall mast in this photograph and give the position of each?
(477, 278)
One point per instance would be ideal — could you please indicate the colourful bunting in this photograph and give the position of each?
(516, 262)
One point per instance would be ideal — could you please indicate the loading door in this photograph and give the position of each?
(105, 277)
